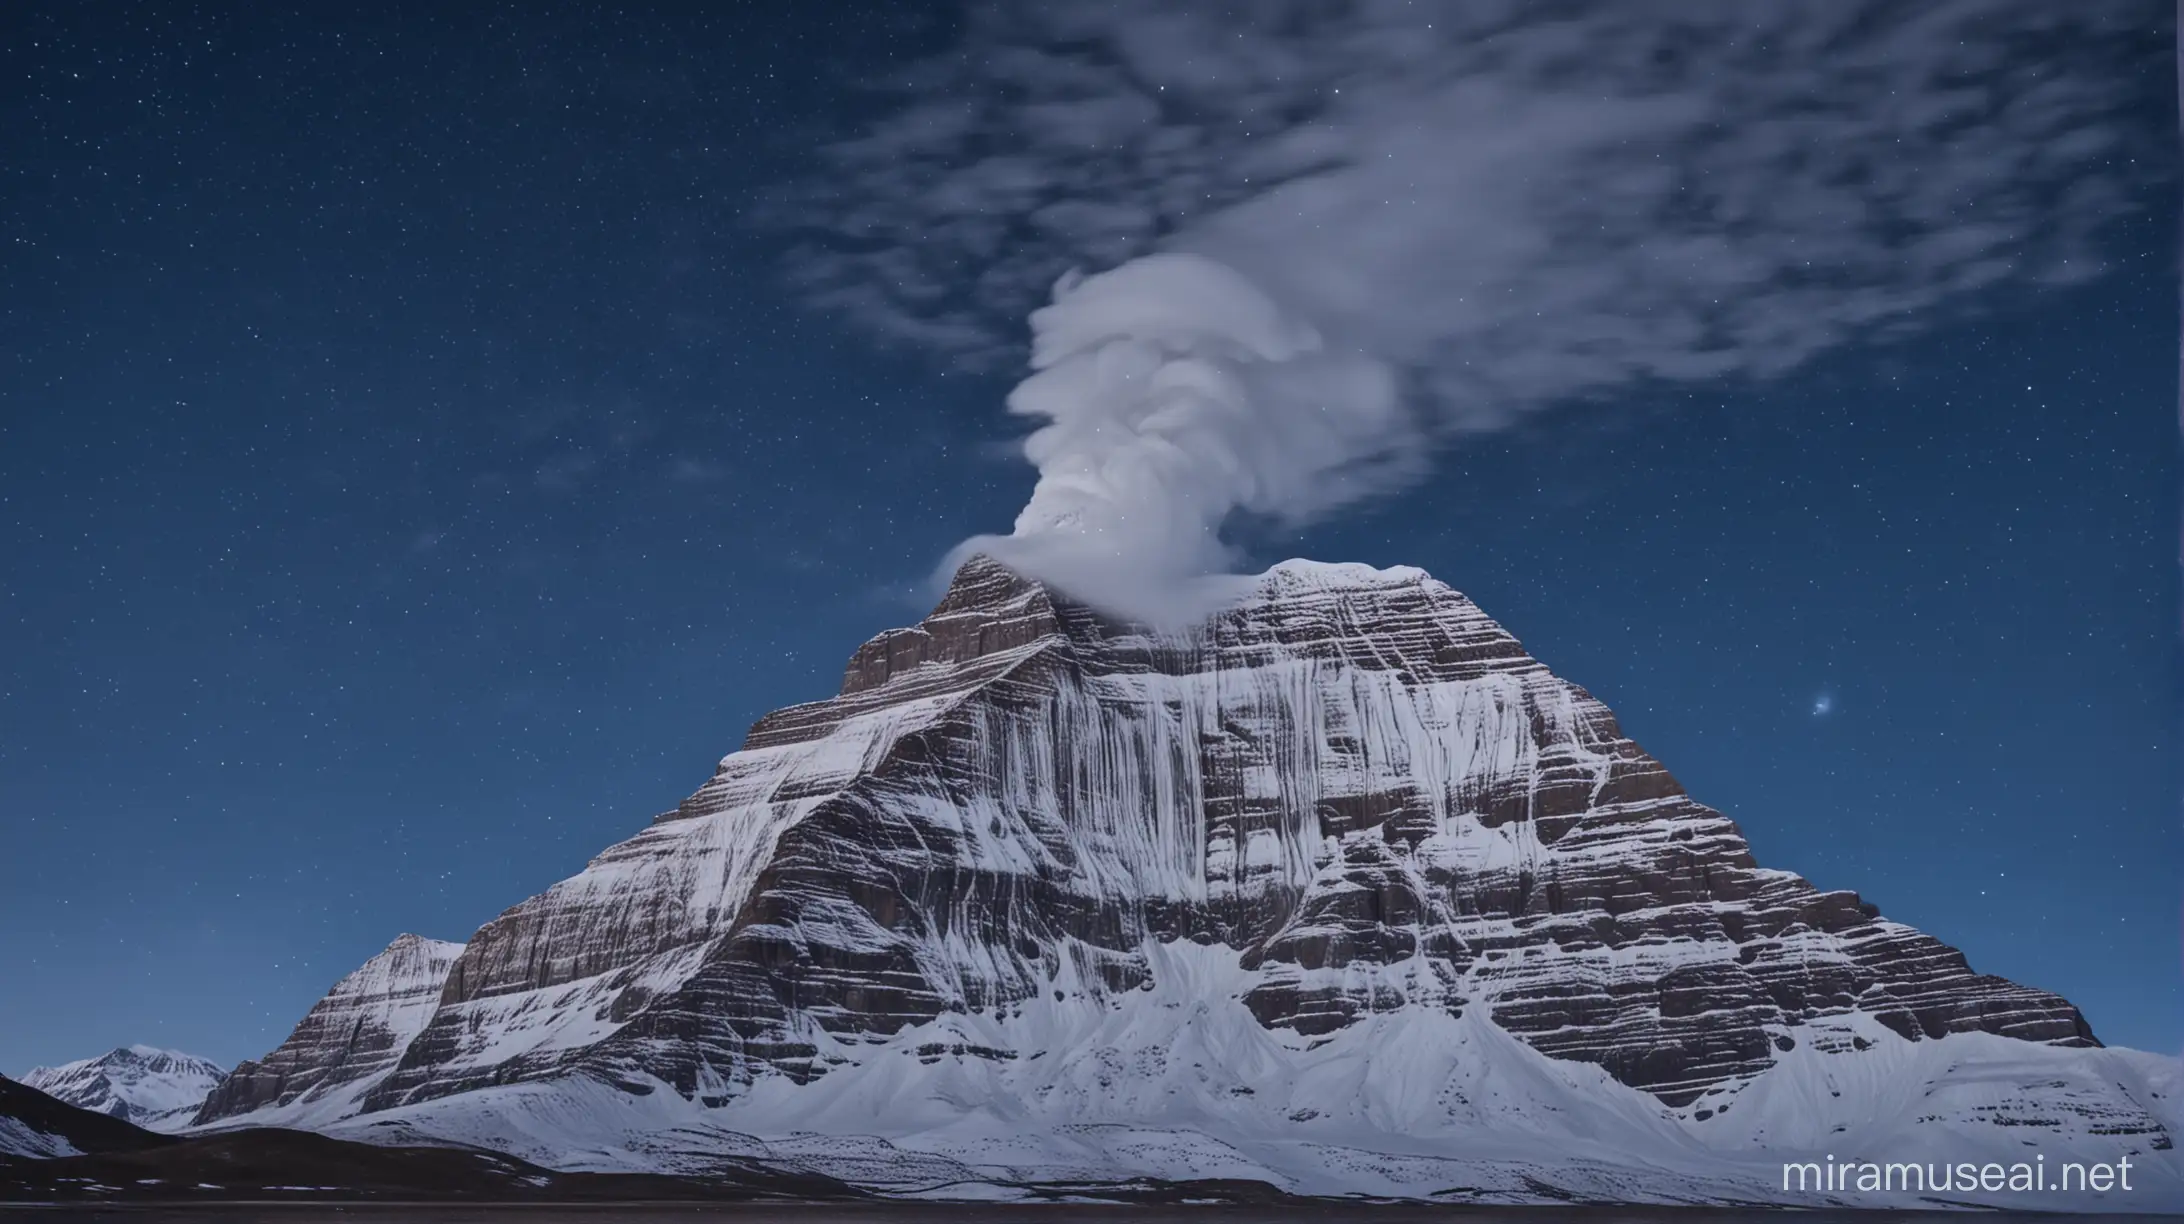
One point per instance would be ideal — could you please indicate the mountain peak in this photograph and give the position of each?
(983, 582)
(151, 1087)
(1407, 885)
(346, 1043)
(994, 619)
(1337, 574)
(408, 943)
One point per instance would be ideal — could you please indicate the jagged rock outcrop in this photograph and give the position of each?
(1354, 779)
(348, 1040)
(153, 1088)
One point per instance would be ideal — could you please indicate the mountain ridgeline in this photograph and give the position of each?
(160, 1090)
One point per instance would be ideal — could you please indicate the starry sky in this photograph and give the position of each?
(415, 473)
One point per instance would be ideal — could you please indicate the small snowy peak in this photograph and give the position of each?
(409, 963)
(988, 610)
(150, 1087)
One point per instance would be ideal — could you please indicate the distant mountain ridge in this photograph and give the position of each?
(157, 1089)
(1341, 890)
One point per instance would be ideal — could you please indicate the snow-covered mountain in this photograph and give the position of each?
(1341, 890)
(157, 1089)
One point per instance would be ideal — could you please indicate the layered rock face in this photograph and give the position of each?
(348, 1040)
(1352, 779)
(156, 1089)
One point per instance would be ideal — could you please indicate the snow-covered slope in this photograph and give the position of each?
(37, 1126)
(157, 1089)
(345, 1044)
(1182, 1082)
(23, 1135)
(1341, 889)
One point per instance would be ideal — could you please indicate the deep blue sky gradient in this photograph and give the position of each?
(413, 477)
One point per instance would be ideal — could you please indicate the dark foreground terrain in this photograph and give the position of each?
(118, 1163)
(968, 1213)
(293, 1177)
(255, 1173)
(286, 1165)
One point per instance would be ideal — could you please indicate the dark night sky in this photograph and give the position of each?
(413, 475)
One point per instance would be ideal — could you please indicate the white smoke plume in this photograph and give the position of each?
(1324, 237)
(1175, 394)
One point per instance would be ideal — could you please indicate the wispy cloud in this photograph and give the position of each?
(566, 472)
(1508, 205)
(691, 470)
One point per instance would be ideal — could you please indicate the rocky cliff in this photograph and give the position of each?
(347, 1041)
